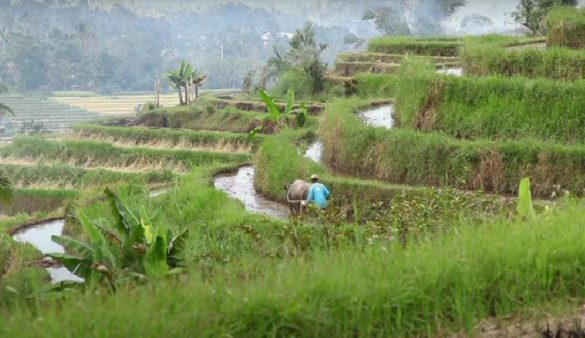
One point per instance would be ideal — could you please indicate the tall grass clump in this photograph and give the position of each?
(421, 46)
(493, 107)
(566, 27)
(409, 157)
(18, 278)
(439, 287)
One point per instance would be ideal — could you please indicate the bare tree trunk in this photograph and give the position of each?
(196, 90)
(180, 96)
(157, 97)
(187, 98)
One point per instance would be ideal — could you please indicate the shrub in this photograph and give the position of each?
(566, 27)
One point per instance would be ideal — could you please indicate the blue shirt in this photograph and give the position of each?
(318, 194)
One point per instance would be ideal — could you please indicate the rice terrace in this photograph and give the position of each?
(319, 168)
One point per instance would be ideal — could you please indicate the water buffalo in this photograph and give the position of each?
(296, 192)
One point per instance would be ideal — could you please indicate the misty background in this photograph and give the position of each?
(125, 45)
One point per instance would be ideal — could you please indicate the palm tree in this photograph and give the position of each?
(179, 78)
(197, 78)
(389, 20)
(422, 17)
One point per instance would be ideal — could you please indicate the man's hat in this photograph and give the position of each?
(314, 177)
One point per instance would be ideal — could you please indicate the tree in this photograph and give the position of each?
(389, 20)
(186, 79)
(402, 17)
(303, 55)
(531, 13)
(196, 79)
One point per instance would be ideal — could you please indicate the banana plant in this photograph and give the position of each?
(278, 116)
(524, 206)
(131, 248)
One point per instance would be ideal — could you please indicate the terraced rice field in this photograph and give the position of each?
(116, 105)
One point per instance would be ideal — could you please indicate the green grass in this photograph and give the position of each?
(492, 107)
(408, 157)
(18, 278)
(566, 27)
(381, 290)
(554, 63)
(422, 46)
(104, 154)
(376, 86)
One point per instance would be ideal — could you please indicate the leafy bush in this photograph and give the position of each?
(566, 27)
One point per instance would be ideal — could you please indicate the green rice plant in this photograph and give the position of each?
(566, 27)
(422, 46)
(171, 137)
(491, 108)
(102, 154)
(31, 201)
(77, 177)
(352, 148)
(376, 85)
(553, 63)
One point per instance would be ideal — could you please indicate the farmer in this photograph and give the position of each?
(318, 193)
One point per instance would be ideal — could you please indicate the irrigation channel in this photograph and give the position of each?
(451, 71)
(239, 186)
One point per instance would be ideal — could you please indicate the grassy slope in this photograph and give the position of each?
(381, 290)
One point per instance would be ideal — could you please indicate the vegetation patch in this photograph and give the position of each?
(566, 27)
(409, 157)
(431, 47)
(64, 176)
(170, 138)
(492, 107)
(91, 153)
(384, 210)
(554, 63)
(30, 201)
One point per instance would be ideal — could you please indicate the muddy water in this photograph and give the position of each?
(315, 152)
(379, 117)
(241, 187)
(451, 71)
(40, 237)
